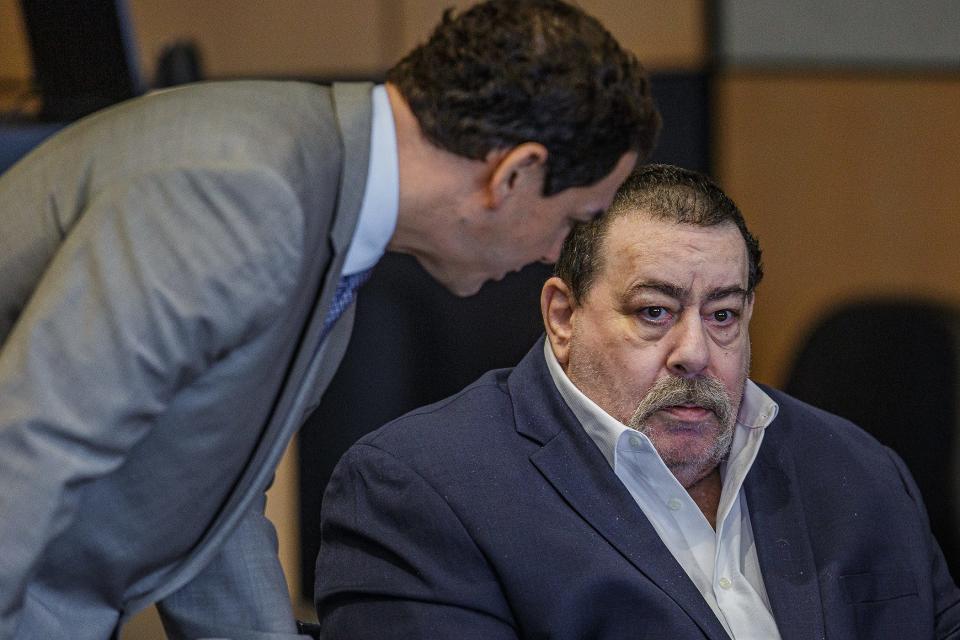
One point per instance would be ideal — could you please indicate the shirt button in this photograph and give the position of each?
(635, 442)
(674, 504)
(725, 583)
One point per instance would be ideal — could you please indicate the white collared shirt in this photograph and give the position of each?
(722, 563)
(381, 195)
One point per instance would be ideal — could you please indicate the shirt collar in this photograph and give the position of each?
(381, 195)
(757, 409)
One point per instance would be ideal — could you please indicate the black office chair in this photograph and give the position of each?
(893, 367)
(309, 629)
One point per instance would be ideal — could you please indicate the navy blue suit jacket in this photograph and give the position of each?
(493, 515)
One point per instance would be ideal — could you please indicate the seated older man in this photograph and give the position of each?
(627, 479)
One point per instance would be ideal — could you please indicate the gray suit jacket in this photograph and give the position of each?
(166, 269)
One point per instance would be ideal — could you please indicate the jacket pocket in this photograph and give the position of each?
(885, 606)
(876, 587)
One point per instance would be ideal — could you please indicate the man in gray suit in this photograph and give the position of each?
(173, 271)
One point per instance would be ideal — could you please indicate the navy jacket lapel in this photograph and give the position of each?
(783, 546)
(574, 466)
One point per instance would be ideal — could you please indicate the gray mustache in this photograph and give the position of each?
(667, 392)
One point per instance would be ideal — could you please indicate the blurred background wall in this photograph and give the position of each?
(835, 125)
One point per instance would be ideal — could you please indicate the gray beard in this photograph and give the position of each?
(704, 392)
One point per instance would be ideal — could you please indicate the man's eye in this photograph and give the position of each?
(653, 313)
(724, 316)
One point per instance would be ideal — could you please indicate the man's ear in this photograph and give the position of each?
(518, 169)
(557, 306)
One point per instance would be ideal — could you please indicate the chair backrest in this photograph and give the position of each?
(893, 367)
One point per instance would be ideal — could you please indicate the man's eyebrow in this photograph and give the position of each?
(667, 289)
(681, 293)
(735, 290)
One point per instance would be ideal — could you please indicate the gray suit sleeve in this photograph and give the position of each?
(241, 594)
(162, 276)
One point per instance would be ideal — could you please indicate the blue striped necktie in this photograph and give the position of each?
(342, 297)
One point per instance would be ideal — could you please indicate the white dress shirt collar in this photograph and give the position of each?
(722, 563)
(381, 195)
(757, 410)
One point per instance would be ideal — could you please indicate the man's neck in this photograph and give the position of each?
(434, 183)
(706, 493)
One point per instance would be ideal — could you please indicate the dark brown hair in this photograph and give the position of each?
(665, 192)
(506, 72)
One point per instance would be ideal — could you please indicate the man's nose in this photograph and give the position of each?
(690, 352)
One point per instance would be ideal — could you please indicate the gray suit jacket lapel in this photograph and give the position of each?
(572, 463)
(313, 369)
(307, 377)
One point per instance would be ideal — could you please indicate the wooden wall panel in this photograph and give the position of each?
(278, 38)
(663, 35)
(851, 182)
(364, 37)
(338, 38)
(14, 54)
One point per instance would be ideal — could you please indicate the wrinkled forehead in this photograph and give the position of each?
(638, 242)
(637, 224)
